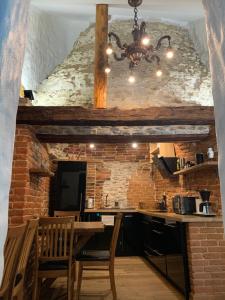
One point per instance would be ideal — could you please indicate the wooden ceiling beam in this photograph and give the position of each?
(51, 138)
(101, 39)
(79, 116)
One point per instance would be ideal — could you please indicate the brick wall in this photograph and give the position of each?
(206, 256)
(29, 193)
(192, 182)
(118, 170)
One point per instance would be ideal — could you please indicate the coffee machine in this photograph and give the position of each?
(205, 207)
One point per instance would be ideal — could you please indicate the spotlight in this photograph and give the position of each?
(92, 146)
(135, 145)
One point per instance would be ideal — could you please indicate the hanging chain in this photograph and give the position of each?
(136, 18)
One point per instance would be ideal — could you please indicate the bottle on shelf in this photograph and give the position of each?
(210, 153)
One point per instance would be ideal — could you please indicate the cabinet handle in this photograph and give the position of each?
(171, 226)
(157, 232)
(157, 252)
(158, 222)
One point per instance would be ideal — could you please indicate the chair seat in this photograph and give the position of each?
(53, 265)
(93, 255)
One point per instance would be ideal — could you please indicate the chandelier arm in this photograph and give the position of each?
(117, 39)
(165, 37)
(131, 65)
(142, 28)
(119, 58)
(153, 58)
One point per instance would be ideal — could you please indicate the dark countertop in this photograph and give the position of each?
(164, 215)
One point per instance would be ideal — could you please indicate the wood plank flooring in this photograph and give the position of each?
(135, 280)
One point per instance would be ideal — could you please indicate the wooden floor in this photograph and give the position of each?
(135, 280)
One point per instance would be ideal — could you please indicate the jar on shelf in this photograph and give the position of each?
(210, 153)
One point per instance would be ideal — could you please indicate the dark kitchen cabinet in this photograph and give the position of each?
(176, 255)
(164, 245)
(154, 242)
(129, 242)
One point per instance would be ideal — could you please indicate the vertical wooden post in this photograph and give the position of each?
(101, 38)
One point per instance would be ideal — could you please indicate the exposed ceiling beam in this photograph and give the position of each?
(51, 138)
(79, 116)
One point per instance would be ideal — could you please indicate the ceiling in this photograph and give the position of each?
(178, 11)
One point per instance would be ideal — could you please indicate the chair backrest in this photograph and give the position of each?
(55, 238)
(12, 252)
(30, 232)
(65, 213)
(118, 219)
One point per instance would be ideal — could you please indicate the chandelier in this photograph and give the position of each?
(140, 48)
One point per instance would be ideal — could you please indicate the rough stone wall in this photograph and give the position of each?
(114, 169)
(186, 81)
(29, 193)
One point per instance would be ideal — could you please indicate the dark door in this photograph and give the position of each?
(71, 186)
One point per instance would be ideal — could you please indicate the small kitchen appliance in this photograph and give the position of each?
(184, 205)
(205, 207)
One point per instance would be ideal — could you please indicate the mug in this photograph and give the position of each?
(199, 158)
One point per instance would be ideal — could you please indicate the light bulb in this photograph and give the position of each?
(107, 70)
(145, 41)
(131, 79)
(169, 54)
(135, 145)
(92, 146)
(109, 49)
(158, 73)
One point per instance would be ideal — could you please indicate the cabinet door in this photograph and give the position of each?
(131, 234)
(175, 256)
(156, 245)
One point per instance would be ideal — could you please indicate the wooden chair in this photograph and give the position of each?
(31, 229)
(65, 213)
(12, 251)
(55, 250)
(91, 260)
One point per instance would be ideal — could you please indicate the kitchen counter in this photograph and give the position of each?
(164, 215)
(110, 210)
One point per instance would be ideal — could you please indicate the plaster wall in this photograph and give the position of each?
(197, 30)
(13, 24)
(50, 39)
(186, 80)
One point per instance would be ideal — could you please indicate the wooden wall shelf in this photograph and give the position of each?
(199, 167)
(41, 172)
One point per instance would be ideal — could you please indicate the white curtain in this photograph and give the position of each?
(215, 27)
(13, 26)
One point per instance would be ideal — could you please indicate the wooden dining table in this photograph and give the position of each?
(83, 231)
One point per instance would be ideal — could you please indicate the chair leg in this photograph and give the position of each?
(37, 289)
(112, 282)
(72, 281)
(69, 284)
(20, 295)
(79, 280)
